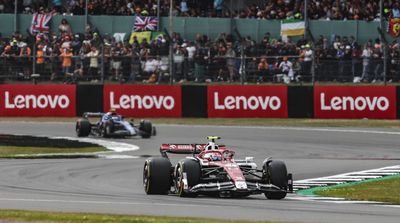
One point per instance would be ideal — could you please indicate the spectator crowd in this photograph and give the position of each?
(89, 56)
(70, 56)
(271, 9)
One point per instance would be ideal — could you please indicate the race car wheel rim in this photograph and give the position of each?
(179, 178)
(146, 174)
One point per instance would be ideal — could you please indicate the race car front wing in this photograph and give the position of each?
(230, 186)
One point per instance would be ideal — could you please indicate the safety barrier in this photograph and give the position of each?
(266, 101)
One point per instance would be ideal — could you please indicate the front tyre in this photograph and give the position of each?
(108, 129)
(82, 127)
(146, 128)
(276, 174)
(187, 173)
(157, 176)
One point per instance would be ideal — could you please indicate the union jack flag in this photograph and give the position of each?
(40, 23)
(145, 24)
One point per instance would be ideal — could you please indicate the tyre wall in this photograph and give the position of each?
(237, 101)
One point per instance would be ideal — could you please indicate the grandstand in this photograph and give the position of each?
(208, 41)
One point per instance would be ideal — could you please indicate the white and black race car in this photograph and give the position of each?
(111, 124)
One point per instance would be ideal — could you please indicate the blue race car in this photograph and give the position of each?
(111, 124)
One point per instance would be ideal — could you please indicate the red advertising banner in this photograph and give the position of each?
(376, 102)
(247, 101)
(144, 100)
(38, 100)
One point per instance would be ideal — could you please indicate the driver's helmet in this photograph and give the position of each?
(211, 146)
(111, 112)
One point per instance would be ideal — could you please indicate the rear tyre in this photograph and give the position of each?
(190, 170)
(146, 128)
(82, 127)
(108, 129)
(157, 176)
(276, 174)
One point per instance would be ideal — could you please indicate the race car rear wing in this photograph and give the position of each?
(92, 114)
(183, 148)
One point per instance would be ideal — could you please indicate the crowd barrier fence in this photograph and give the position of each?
(134, 69)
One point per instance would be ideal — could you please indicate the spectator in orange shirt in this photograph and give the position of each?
(66, 57)
(40, 59)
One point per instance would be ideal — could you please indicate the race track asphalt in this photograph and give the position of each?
(115, 185)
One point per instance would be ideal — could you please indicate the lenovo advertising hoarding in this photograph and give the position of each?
(247, 101)
(38, 100)
(355, 102)
(143, 100)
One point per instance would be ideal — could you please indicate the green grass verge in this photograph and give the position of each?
(386, 189)
(14, 151)
(362, 123)
(28, 216)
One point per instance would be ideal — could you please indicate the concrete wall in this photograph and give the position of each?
(188, 27)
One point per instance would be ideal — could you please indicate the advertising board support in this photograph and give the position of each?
(300, 102)
(194, 101)
(89, 98)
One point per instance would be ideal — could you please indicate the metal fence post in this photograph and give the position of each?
(171, 46)
(385, 58)
(313, 65)
(102, 64)
(158, 14)
(242, 67)
(86, 13)
(34, 59)
(15, 15)
(305, 17)
(383, 41)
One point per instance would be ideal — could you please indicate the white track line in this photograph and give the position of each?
(116, 156)
(342, 179)
(347, 177)
(102, 202)
(111, 145)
